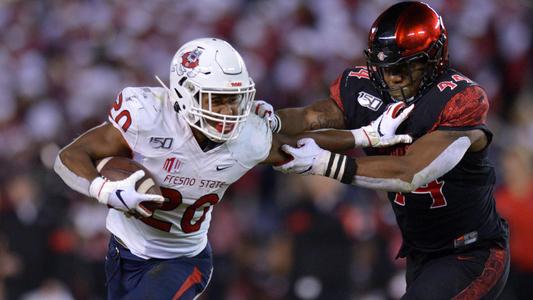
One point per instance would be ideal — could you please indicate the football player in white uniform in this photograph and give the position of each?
(196, 138)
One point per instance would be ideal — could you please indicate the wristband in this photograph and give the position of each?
(341, 167)
(96, 187)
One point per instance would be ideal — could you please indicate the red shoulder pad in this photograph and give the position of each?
(467, 108)
(335, 92)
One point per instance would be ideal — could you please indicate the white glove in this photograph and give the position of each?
(308, 158)
(266, 111)
(381, 132)
(121, 194)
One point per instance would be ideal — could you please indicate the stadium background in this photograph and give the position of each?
(274, 236)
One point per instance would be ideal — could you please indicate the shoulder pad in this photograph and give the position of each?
(136, 109)
(357, 72)
(252, 146)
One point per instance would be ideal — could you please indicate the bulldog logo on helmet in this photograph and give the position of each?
(189, 62)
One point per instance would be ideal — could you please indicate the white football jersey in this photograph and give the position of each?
(192, 180)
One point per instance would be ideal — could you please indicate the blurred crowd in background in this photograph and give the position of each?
(274, 236)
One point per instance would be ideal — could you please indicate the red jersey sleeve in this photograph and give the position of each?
(465, 109)
(335, 92)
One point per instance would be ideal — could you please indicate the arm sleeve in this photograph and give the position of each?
(441, 165)
(75, 182)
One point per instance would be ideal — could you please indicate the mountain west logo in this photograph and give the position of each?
(172, 165)
(189, 62)
(369, 101)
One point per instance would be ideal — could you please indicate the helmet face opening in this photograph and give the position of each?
(402, 37)
(212, 88)
(401, 80)
(219, 114)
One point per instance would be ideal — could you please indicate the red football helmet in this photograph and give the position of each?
(404, 33)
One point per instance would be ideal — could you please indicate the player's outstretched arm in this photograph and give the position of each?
(292, 121)
(430, 157)
(380, 133)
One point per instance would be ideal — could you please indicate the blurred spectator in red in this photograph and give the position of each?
(515, 203)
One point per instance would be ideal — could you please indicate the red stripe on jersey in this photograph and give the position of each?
(362, 73)
(335, 92)
(118, 102)
(494, 268)
(127, 123)
(397, 109)
(194, 278)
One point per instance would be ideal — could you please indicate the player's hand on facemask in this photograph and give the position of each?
(308, 158)
(122, 195)
(381, 132)
(266, 111)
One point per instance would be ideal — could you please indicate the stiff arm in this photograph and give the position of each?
(379, 133)
(430, 157)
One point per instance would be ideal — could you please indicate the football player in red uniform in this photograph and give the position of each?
(441, 185)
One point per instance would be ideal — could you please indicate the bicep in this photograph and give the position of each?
(325, 114)
(99, 142)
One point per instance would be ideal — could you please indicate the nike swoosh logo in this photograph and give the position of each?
(119, 196)
(379, 128)
(223, 167)
(460, 257)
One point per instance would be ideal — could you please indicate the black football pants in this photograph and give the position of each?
(474, 274)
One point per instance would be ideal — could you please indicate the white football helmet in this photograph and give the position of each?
(210, 66)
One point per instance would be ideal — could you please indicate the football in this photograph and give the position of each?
(118, 168)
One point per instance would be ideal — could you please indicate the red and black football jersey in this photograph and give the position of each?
(458, 209)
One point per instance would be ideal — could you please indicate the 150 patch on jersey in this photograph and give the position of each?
(161, 142)
(369, 101)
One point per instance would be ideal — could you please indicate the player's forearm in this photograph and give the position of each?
(293, 121)
(79, 162)
(380, 173)
(75, 169)
(407, 173)
(320, 114)
(388, 173)
(331, 139)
